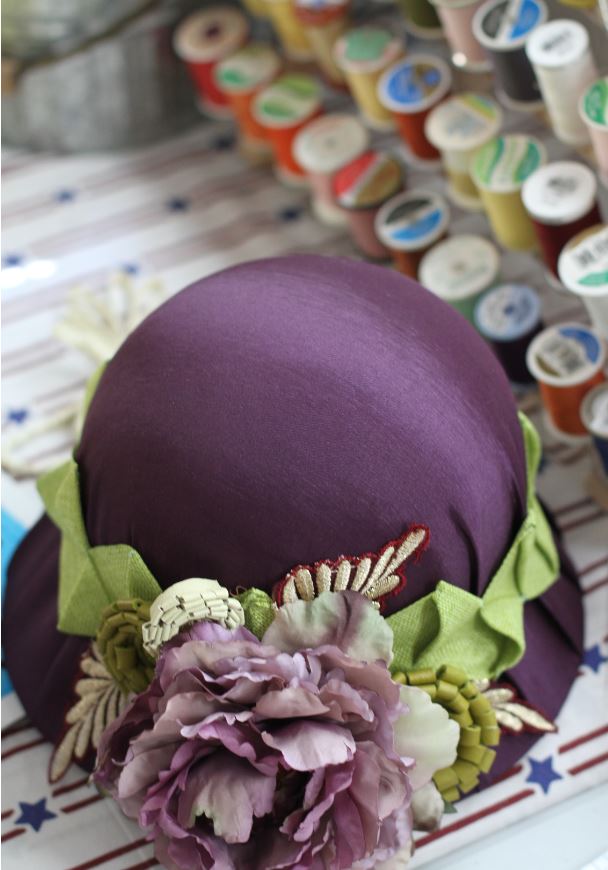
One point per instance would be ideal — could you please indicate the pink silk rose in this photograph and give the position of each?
(278, 753)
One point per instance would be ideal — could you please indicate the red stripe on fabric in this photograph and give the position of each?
(507, 774)
(16, 728)
(589, 568)
(587, 764)
(80, 805)
(16, 832)
(21, 366)
(108, 856)
(475, 817)
(595, 586)
(152, 862)
(567, 508)
(22, 748)
(596, 515)
(584, 738)
(7, 814)
(64, 789)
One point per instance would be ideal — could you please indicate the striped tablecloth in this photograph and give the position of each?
(177, 211)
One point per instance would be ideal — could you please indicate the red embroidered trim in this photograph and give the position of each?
(355, 561)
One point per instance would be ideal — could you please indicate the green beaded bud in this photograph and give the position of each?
(120, 644)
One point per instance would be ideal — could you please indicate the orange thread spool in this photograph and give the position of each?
(567, 360)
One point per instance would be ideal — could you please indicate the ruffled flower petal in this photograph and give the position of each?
(425, 734)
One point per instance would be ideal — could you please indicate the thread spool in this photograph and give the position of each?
(410, 90)
(240, 77)
(282, 109)
(324, 22)
(410, 224)
(561, 200)
(567, 361)
(421, 19)
(322, 148)
(499, 170)
(502, 28)
(363, 54)
(593, 109)
(456, 17)
(508, 316)
(292, 36)
(594, 414)
(583, 270)
(256, 8)
(202, 41)
(360, 189)
(459, 269)
(560, 53)
(458, 127)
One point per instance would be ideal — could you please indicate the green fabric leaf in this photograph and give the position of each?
(484, 636)
(259, 608)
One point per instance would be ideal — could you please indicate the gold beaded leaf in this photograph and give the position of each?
(479, 731)
(512, 714)
(99, 702)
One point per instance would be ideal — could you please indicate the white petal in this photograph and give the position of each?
(426, 734)
(427, 807)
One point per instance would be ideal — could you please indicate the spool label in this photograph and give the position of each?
(367, 181)
(414, 222)
(463, 122)
(510, 21)
(460, 267)
(596, 412)
(247, 68)
(413, 83)
(365, 45)
(504, 164)
(596, 102)
(568, 352)
(290, 100)
(583, 265)
(559, 42)
(508, 312)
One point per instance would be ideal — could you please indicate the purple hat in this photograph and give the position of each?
(289, 426)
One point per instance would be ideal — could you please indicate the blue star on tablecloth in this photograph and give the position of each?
(65, 196)
(593, 658)
(130, 268)
(178, 203)
(11, 260)
(290, 213)
(34, 814)
(542, 773)
(17, 415)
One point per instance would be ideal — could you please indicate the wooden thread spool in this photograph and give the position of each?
(282, 110)
(410, 224)
(560, 54)
(583, 270)
(502, 27)
(567, 361)
(240, 77)
(202, 41)
(499, 170)
(410, 90)
(561, 199)
(458, 127)
(363, 54)
(459, 270)
(360, 189)
(322, 147)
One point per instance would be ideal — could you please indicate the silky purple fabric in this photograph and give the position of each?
(292, 410)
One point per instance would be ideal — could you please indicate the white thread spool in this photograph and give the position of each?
(560, 54)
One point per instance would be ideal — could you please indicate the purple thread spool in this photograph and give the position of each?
(508, 317)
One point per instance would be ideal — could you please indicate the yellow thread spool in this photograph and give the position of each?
(324, 23)
(363, 54)
(291, 34)
(499, 171)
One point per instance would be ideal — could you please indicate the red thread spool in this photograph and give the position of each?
(567, 360)
(561, 199)
(240, 77)
(282, 110)
(201, 41)
(410, 90)
(361, 188)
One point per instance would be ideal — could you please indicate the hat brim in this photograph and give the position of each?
(43, 662)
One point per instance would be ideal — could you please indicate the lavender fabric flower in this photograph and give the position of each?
(267, 754)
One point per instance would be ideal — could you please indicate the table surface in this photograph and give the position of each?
(177, 211)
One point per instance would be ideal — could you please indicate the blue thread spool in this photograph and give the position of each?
(594, 413)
